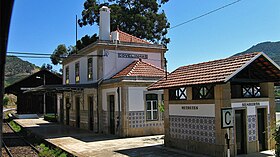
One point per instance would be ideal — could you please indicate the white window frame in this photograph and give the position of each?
(152, 110)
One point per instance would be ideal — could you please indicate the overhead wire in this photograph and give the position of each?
(205, 14)
(47, 55)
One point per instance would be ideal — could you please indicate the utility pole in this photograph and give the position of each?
(76, 33)
(44, 95)
(6, 8)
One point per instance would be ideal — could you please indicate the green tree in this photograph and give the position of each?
(46, 66)
(5, 101)
(141, 18)
(61, 52)
(86, 40)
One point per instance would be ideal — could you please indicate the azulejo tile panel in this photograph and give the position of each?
(200, 129)
(137, 120)
(252, 128)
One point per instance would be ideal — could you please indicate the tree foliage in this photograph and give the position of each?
(58, 53)
(46, 66)
(86, 40)
(5, 101)
(141, 18)
(61, 52)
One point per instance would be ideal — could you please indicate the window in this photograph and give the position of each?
(67, 75)
(178, 94)
(89, 68)
(251, 91)
(151, 107)
(77, 72)
(203, 92)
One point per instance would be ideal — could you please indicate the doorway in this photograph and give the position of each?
(77, 111)
(90, 106)
(68, 106)
(112, 113)
(261, 128)
(240, 131)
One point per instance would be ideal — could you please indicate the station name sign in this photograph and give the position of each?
(198, 110)
(189, 107)
(131, 55)
(250, 104)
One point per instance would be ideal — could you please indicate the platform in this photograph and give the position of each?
(84, 143)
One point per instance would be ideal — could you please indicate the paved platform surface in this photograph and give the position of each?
(85, 143)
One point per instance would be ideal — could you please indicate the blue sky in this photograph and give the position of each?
(39, 26)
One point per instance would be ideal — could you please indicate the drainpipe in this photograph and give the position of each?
(119, 109)
(97, 110)
(165, 67)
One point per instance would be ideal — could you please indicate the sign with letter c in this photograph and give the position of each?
(227, 118)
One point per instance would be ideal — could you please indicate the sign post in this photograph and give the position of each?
(227, 122)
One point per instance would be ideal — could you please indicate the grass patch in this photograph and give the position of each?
(49, 152)
(15, 126)
(50, 117)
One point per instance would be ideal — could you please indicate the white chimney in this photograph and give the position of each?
(104, 23)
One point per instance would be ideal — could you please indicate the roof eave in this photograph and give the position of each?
(242, 67)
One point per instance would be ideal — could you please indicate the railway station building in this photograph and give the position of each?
(105, 85)
(196, 95)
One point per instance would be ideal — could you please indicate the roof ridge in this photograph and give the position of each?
(141, 68)
(231, 57)
(153, 65)
(132, 36)
(133, 68)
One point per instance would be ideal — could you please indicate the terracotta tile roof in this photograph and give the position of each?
(125, 37)
(141, 69)
(203, 73)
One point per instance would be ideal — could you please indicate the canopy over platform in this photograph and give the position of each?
(61, 88)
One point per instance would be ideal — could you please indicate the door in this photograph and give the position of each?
(77, 111)
(261, 129)
(68, 105)
(112, 113)
(240, 131)
(91, 120)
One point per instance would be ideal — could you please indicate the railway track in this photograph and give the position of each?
(15, 145)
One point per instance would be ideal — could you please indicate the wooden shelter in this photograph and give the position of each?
(33, 102)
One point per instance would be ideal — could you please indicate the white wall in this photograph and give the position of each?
(83, 69)
(105, 93)
(112, 64)
(136, 98)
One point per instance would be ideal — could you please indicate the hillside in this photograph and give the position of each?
(272, 49)
(17, 69)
